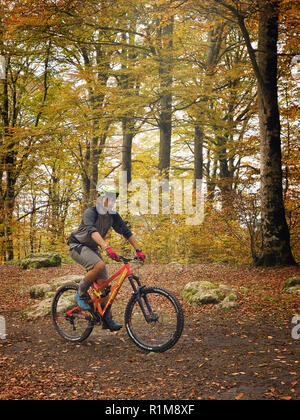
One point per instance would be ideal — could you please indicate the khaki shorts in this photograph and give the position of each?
(88, 258)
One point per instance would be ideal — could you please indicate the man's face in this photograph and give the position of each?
(105, 204)
(109, 202)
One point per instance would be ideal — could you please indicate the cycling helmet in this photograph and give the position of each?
(107, 190)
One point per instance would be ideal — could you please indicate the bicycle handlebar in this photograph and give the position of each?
(128, 259)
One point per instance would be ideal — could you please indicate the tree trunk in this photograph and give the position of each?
(129, 88)
(9, 208)
(128, 134)
(213, 49)
(225, 181)
(8, 176)
(276, 238)
(276, 249)
(198, 153)
(211, 176)
(165, 117)
(94, 145)
(165, 130)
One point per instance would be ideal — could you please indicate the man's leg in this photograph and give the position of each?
(93, 276)
(94, 266)
(96, 272)
(108, 322)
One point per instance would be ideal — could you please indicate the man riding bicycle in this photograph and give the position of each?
(84, 243)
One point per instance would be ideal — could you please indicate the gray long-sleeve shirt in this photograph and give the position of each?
(92, 222)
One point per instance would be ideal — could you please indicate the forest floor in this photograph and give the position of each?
(245, 353)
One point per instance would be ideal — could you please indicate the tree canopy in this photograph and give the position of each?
(160, 89)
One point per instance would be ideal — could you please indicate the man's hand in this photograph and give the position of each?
(112, 254)
(140, 254)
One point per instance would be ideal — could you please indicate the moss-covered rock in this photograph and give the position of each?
(229, 302)
(202, 292)
(44, 308)
(59, 281)
(46, 292)
(291, 282)
(41, 260)
(38, 291)
(205, 292)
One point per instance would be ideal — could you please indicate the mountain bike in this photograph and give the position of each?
(153, 316)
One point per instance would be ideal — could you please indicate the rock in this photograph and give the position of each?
(46, 292)
(295, 289)
(205, 297)
(39, 310)
(205, 292)
(39, 290)
(291, 283)
(229, 302)
(176, 266)
(41, 260)
(44, 308)
(202, 292)
(59, 281)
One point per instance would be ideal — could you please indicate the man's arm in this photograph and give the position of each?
(138, 250)
(121, 227)
(133, 242)
(98, 239)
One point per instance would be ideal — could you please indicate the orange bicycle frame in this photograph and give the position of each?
(124, 272)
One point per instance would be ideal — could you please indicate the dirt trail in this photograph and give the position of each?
(247, 353)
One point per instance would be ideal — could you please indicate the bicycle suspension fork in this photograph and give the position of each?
(137, 290)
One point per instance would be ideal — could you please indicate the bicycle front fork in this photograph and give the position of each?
(146, 309)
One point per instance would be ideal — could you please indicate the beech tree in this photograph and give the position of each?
(187, 79)
(275, 248)
(22, 104)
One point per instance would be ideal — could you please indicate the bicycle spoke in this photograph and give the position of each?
(71, 323)
(162, 326)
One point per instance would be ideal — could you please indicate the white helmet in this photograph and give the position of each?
(105, 190)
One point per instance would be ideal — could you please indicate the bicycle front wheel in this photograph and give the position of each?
(70, 322)
(154, 319)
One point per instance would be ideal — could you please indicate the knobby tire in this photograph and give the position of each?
(58, 316)
(147, 335)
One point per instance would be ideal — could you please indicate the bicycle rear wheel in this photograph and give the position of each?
(69, 320)
(154, 319)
